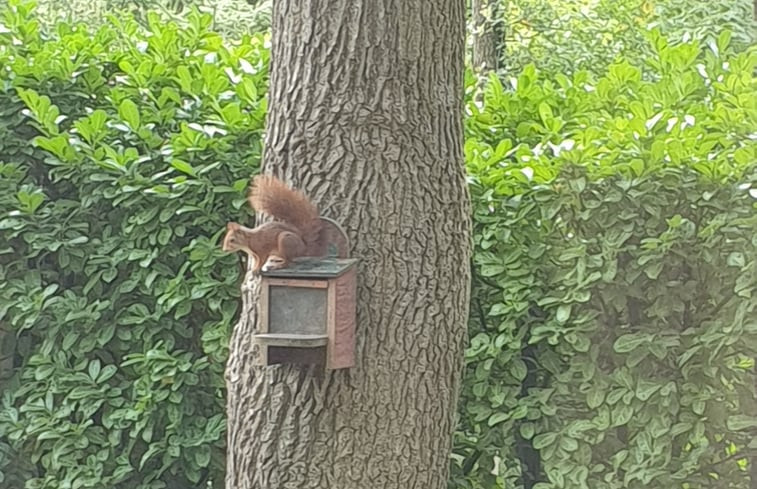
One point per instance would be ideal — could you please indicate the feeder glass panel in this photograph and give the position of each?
(297, 310)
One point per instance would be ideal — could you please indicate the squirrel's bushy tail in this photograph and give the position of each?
(271, 196)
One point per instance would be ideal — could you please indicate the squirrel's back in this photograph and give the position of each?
(273, 197)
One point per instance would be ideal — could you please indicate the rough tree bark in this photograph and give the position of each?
(7, 347)
(484, 52)
(365, 111)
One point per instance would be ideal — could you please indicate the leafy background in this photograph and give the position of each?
(564, 37)
(122, 157)
(613, 330)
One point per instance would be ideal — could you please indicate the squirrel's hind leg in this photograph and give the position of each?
(290, 246)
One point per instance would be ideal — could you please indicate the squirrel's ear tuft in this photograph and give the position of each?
(232, 226)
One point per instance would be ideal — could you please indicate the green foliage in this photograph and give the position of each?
(230, 17)
(613, 330)
(564, 37)
(123, 152)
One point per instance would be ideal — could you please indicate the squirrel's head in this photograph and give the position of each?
(234, 240)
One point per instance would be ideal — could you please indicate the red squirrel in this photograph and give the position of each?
(273, 245)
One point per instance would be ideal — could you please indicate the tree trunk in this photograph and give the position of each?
(365, 110)
(7, 347)
(484, 52)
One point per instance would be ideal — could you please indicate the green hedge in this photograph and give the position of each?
(230, 17)
(564, 37)
(122, 154)
(614, 323)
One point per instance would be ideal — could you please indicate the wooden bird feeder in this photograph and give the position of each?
(307, 314)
